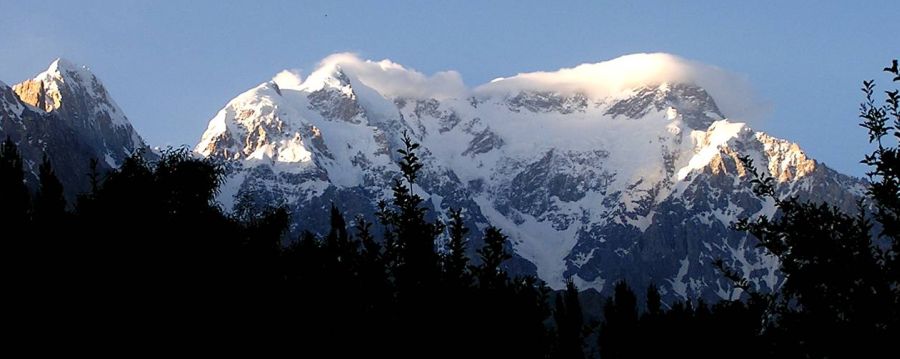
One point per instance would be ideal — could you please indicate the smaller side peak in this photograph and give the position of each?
(65, 68)
(62, 64)
(332, 75)
(288, 79)
(266, 90)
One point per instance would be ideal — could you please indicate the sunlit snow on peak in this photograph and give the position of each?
(61, 64)
(610, 78)
(288, 79)
(598, 80)
(388, 78)
(61, 68)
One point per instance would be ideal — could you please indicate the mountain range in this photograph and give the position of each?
(625, 169)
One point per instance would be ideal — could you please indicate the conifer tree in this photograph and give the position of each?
(17, 250)
(50, 226)
(371, 251)
(49, 202)
(618, 332)
(372, 269)
(493, 254)
(570, 327)
(338, 242)
(410, 253)
(409, 232)
(455, 259)
(653, 327)
(14, 197)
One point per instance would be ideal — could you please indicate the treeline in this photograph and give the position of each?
(147, 254)
(146, 258)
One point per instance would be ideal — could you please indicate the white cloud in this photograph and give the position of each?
(288, 79)
(732, 92)
(392, 79)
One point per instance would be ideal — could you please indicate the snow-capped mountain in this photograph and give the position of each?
(66, 113)
(626, 169)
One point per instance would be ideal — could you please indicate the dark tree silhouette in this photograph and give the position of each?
(570, 328)
(654, 301)
(493, 254)
(455, 260)
(618, 332)
(14, 198)
(412, 236)
(49, 202)
(840, 298)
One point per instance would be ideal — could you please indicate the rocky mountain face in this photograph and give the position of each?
(639, 184)
(66, 113)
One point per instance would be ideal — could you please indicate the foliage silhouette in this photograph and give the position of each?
(840, 296)
(14, 196)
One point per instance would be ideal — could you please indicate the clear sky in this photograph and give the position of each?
(171, 65)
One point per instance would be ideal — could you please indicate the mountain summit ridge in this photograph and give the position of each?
(634, 179)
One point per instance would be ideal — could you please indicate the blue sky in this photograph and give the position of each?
(171, 65)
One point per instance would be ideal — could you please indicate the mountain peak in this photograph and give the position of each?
(65, 69)
(61, 64)
(73, 93)
(63, 79)
(328, 75)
